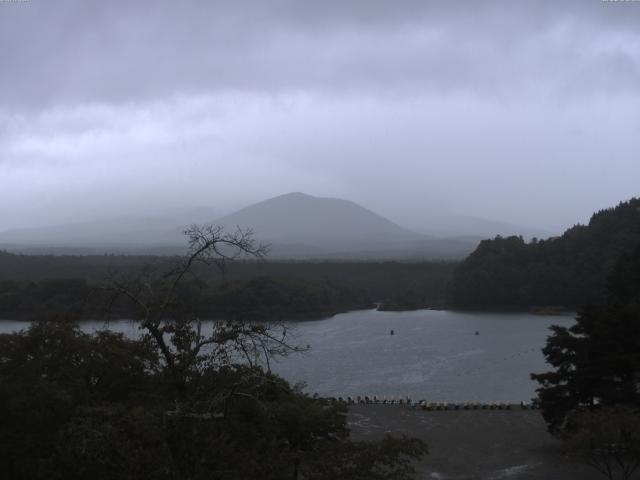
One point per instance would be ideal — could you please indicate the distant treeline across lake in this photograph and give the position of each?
(33, 286)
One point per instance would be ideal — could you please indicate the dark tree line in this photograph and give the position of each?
(31, 286)
(268, 298)
(570, 270)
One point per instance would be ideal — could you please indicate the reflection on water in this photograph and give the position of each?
(434, 355)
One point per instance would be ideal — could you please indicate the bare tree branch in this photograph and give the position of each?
(177, 334)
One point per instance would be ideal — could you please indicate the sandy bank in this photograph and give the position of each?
(474, 444)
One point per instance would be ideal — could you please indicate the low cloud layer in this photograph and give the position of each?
(527, 112)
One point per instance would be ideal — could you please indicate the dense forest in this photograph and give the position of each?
(32, 286)
(570, 270)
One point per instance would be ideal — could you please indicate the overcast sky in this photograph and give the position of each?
(521, 111)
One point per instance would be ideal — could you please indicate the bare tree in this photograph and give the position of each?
(176, 332)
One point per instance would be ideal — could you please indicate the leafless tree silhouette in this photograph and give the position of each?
(178, 334)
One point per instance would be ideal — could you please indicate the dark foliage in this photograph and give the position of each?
(32, 286)
(77, 406)
(597, 360)
(570, 270)
(48, 375)
(607, 439)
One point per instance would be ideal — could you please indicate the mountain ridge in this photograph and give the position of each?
(294, 216)
(297, 225)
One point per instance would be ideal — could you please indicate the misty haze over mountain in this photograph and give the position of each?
(296, 225)
(301, 225)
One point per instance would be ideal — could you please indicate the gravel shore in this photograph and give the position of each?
(474, 444)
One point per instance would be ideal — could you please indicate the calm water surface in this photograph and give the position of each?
(433, 355)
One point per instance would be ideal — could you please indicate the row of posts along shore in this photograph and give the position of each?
(425, 405)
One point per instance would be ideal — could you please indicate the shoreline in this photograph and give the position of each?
(473, 444)
(321, 315)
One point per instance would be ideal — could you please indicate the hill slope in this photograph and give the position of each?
(128, 234)
(570, 270)
(297, 217)
(297, 226)
(303, 226)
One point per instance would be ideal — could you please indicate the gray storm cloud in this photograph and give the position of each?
(527, 112)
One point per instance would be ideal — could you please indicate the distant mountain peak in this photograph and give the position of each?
(299, 196)
(297, 216)
(295, 224)
(295, 194)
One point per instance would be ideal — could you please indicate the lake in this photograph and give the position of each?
(433, 355)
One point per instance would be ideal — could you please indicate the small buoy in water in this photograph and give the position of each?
(477, 332)
(391, 332)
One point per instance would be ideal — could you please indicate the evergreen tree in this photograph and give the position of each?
(570, 270)
(597, 360)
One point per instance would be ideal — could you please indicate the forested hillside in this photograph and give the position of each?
(570, 270)
(32, 286)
